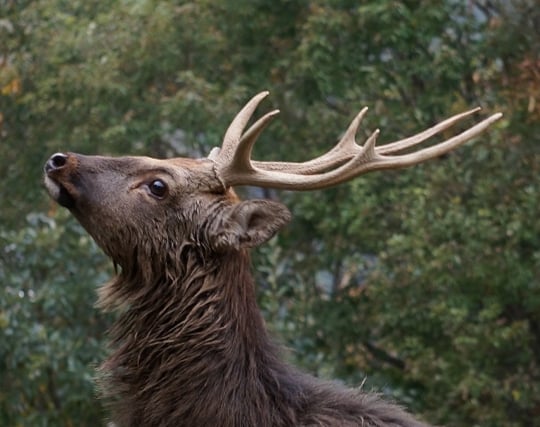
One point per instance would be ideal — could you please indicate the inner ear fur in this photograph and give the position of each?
(250, 223)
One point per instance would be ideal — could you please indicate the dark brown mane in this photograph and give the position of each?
(197, 349)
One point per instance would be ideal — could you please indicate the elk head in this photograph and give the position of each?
(145, 208)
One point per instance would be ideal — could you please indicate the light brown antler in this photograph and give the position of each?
(342, 163)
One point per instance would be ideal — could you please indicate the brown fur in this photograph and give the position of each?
(190, 347)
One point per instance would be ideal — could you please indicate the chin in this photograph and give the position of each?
(58, 193)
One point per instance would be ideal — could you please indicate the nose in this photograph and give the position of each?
(56, 161)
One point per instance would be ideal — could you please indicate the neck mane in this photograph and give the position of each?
(190, 348)
(194, 346)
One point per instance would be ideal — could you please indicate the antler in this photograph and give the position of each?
(342, 163)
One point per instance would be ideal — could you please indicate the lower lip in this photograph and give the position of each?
(59, 193)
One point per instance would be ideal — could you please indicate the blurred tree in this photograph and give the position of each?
(51, 337)
(426, 281)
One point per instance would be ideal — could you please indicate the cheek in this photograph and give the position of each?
(153, 222)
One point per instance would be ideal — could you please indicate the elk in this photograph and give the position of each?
(190, 347)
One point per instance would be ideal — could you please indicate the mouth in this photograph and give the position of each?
(59, 193)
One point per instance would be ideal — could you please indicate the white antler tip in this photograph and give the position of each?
(362, 113)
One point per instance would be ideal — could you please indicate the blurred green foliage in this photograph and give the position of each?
(425, 281)
(51, 336)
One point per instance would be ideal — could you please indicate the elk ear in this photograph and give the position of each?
(250, 223)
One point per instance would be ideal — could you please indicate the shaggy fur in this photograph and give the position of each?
(190, 347)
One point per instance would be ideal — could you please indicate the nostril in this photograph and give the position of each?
(56, 161)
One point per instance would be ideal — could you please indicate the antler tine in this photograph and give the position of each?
(347, 158)
(241, 157)
(422, 136)
(410, 159)
(234, 131)
(347, 142)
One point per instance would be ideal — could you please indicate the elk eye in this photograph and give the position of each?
(158, 188)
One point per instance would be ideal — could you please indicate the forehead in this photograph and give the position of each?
(144, 162)
(135, 165)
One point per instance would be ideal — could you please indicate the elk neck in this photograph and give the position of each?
(192, 344)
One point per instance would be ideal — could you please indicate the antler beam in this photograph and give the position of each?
(345, 161)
